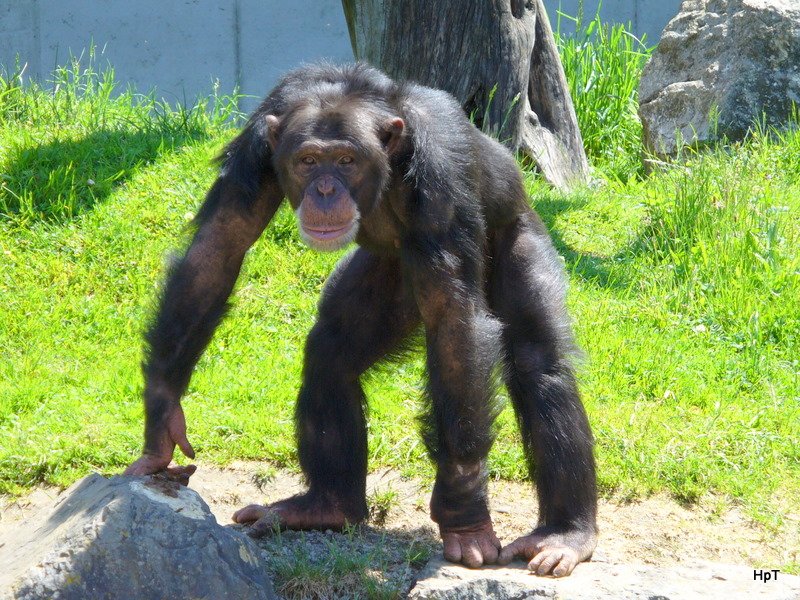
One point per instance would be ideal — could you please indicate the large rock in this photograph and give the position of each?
(143, 538)
(732, 59)
(602, 581)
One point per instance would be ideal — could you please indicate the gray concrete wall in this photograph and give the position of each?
(647, 17)
(182, 47)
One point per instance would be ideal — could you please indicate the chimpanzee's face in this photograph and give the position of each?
(327, 171)
(333, 165)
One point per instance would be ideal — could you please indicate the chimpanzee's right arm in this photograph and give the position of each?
(238, 207)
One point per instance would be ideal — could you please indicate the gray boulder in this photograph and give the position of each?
(441, 580)
(143, 538)
(729, 61)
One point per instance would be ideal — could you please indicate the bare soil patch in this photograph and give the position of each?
(654, 531)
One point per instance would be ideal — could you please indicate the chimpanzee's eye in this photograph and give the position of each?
(346, 160)
(308, 160)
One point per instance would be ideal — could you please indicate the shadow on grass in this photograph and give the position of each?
(361, 562)
(589, 267)
(59, 180)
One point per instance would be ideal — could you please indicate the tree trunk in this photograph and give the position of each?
(498, 57)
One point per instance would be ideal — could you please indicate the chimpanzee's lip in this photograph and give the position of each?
(327, 233)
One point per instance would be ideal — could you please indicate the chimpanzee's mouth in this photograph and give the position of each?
(327, 233)
(327, 237)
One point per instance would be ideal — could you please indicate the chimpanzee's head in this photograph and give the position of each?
(332, 159)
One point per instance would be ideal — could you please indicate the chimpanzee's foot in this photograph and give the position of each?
(304, 511)
(471, 546)
(552, 551)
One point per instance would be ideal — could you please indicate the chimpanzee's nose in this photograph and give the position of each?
(325, 186)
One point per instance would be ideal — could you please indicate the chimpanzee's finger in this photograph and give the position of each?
(180, 474)
(147, 465)
(185, 446)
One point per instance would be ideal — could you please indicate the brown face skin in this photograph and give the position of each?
(330, 180)
(327, 215)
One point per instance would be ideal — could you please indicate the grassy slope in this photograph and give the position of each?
(684, 293)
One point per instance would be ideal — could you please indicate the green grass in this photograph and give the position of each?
(603, 63)
(360, 563)
(684, 293)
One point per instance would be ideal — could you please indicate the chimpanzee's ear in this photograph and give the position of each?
(273, 123)
(391, 133)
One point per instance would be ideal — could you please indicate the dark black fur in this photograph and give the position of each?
(451, 243)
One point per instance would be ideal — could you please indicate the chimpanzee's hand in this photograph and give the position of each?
(158, 453)
(147, 465)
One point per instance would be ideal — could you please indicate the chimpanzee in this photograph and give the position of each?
(446, 240)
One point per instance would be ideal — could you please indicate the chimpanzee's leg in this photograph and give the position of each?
(364, 314)
(527, 289)
(463, 347)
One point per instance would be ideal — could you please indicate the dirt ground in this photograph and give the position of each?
(656, 531)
